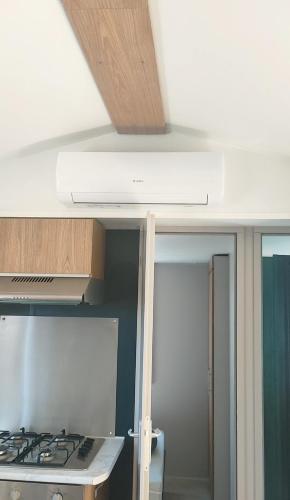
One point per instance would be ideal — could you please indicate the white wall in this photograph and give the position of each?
(180, 366)
(256, 185)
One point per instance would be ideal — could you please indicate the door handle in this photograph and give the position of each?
(154, 434)
(132, 434)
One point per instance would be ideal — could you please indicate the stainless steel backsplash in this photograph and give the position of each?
(58, 373)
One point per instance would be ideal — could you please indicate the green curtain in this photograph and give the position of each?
(276, 380)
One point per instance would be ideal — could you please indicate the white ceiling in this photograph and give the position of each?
(46, 89)
(191, 248)
(224, 67)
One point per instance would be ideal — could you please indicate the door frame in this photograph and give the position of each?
(143, 372)
(249, 380)
(243, 436)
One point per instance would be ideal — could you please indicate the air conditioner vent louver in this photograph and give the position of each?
(32, 279)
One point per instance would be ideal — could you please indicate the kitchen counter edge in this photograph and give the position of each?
(98, 472)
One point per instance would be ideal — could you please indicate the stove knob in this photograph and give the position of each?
(57, 496)
(15, 495)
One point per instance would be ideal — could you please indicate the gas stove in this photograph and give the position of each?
(31, 449)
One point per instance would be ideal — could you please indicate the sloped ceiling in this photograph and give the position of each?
(46, 89)
(224, 69)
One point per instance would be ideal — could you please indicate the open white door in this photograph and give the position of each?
(143, 425)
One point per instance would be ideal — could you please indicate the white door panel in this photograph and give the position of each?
(143, 425)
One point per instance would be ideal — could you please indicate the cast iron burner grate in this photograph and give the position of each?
(31, 449)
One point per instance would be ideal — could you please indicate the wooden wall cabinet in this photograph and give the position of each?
(52, 246)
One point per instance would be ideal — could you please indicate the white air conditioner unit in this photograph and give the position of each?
(140, 178)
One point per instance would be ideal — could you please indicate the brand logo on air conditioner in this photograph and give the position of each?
(139, 181)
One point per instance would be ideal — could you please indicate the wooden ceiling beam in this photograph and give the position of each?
(104, 4)
(116, 38)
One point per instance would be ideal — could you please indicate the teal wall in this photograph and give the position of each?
(121, 296)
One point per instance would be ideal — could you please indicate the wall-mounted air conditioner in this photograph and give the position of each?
(140, 178)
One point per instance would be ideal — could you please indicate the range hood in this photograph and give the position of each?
(46, 289)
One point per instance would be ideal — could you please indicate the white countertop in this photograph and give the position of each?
(98, 472)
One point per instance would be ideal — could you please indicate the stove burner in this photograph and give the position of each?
(46, 455)
(17, 437)
(67, 450)
(60, 442)
(17, 440)
(3, 449)
(20, 439)
(4, 452)
(60, 436)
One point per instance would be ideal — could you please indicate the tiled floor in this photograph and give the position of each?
(176, 496)
(198, 491)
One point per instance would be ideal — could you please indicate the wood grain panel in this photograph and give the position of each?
(100, 492)
(89, 493)
(98, 251)
(119, 48)
(104, 4)
(52, 246)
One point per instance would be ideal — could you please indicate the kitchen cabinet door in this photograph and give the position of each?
(52, 246)
(143, 424)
